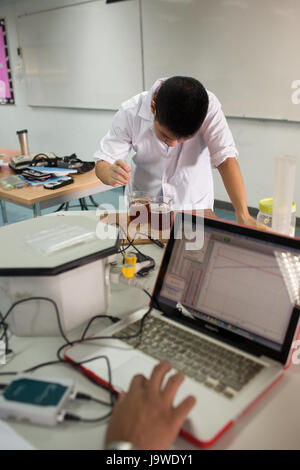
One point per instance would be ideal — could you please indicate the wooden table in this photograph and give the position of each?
(138, 234)
(38, 198)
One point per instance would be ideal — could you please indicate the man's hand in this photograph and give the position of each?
(145, 415)
(246, 220)
(117, 174)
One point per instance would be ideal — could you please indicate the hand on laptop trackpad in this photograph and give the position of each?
(123, 374)
(137, 365)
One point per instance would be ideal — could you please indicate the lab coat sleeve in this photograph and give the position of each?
(217, 134)
(116, 144)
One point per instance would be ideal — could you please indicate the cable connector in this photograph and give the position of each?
(71, 417)
(82, 396)
(116, 277)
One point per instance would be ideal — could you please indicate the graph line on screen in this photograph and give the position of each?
(252, 298)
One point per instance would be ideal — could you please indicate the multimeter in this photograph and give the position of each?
(63, 181)
(37, 400)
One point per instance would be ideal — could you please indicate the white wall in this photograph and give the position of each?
(65, 131)
(62, 131)
(259, 142)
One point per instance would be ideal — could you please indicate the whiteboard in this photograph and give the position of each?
(82, 56)
(244, 51)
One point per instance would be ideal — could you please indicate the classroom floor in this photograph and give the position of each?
(113, 197)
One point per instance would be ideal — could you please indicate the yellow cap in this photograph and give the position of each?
(130, 258)
(266, 206)
(128, 271)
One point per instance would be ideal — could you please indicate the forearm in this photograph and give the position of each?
(101, 170)
(234, 184)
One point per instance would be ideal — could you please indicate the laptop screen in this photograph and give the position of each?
(234, 282)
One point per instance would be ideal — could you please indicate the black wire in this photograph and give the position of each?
(9, 373)
(68, 343)
(38, 298)
(72, 417)
(97, 338)
(130, 243)
(71, 343)
(75, 364)
(156, 242)
(4, 335)
(113, 319)
(85, 396)
(78, 364)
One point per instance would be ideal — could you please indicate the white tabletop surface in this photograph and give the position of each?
(273, 423)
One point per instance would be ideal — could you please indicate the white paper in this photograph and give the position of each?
(10, 440)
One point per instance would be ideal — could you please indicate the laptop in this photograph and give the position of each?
(225, 312)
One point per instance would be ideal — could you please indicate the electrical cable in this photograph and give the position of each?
(69, 343)
(72, 417)
(144, 271)
(113, 319)
(4, 335)
(38, 298)
(84, 396)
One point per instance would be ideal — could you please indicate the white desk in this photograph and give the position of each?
(273, 423)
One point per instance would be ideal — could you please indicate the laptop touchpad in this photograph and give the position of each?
(123, 374)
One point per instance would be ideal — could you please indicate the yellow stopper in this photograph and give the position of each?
(130, 258)
(128, 271)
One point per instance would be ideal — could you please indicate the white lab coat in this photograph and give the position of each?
(182, 173)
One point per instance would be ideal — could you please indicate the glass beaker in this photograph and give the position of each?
(161, 214)
(138, 208)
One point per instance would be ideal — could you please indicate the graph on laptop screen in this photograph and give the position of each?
(248, 287)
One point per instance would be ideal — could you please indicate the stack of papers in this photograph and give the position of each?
(54, 170)
(57, 174)
(39, 183)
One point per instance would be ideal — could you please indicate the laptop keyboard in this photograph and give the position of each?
(206, 362)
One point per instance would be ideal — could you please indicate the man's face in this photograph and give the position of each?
(163, 134)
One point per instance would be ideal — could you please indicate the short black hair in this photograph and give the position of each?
(181, 105)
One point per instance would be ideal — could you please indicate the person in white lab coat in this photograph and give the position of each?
(179, 133)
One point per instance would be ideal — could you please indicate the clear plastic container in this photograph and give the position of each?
(264, 216)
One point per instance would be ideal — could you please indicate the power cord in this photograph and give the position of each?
(83, 396)
(29, 299)
(72, 417)
(77, 365)
(131, 242)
